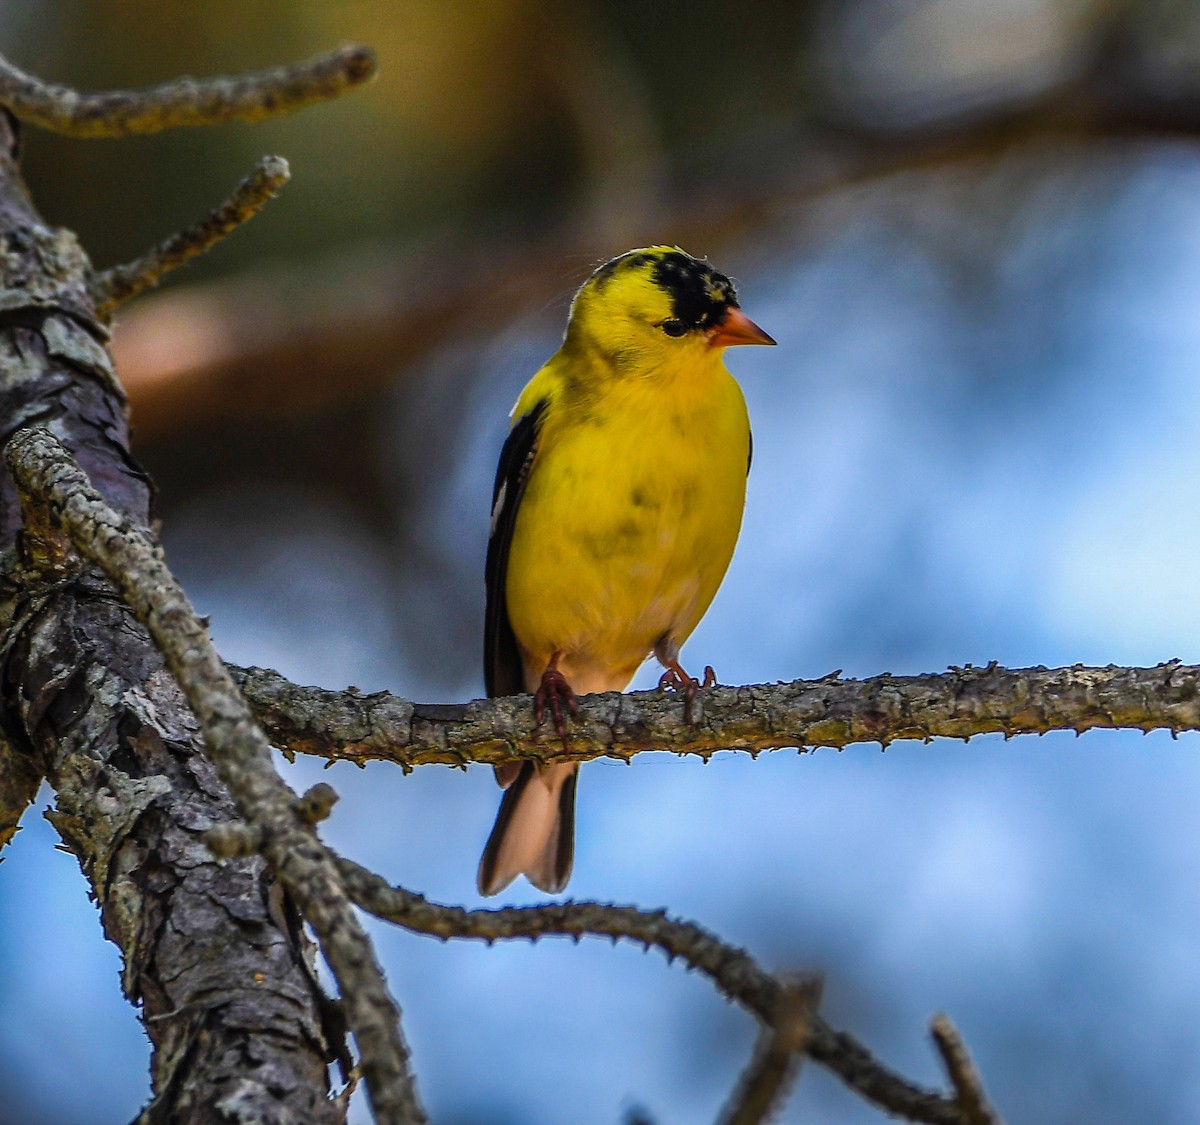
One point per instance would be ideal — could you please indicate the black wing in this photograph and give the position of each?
(502, 670)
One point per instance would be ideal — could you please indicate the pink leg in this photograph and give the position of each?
(555, 691)
(677, 679)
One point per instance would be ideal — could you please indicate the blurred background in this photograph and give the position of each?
(974, 229)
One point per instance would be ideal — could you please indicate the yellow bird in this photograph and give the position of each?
(617, 504)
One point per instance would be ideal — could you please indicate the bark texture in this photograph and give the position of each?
(831, 711)
(213, 953)
(57, 493)
(185, 102)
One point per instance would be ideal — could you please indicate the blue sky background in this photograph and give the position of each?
(977, 440)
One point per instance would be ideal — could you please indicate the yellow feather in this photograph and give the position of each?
(630, 512)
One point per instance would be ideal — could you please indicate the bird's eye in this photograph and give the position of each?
(674, 327)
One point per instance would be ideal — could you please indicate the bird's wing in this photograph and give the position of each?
(502, 669)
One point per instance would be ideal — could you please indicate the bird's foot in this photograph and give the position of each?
(677, 680)
(555, 692)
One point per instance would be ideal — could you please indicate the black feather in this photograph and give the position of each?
(564, 858)
(508, 806)
(502, 670)
(699, 295)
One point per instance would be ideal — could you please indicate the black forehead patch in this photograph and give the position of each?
(699, 295)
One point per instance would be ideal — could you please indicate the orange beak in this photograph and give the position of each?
(736, 328)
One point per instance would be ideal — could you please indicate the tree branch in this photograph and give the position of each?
(50, 482)
(734, 972)
(278, 822)
(47, 476)
(960, 703)
(773, 1068)
(368, 318)
(119, 284)
(186, 102)
(214, 955)
(960, 1069)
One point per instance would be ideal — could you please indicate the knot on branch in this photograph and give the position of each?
(315, 804)
(775, 1063)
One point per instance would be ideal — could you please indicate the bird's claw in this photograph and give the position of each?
(677, 680)
(555, 692)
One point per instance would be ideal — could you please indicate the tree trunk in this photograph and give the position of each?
(213, 953)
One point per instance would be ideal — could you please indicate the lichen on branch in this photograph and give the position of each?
(831, 711)
(323, 884)
(48, 480)
(736, 974)
(117, 285)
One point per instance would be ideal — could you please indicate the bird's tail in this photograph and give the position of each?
(534, 833)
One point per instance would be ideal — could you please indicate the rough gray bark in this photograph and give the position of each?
(85, 698)
(19, 781)
(831, 711)
(57, 495)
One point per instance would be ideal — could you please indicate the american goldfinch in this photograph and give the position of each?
(617, 504)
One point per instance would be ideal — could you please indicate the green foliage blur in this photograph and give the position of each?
(504, 115)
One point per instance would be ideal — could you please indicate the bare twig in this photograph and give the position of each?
(214, 955)
(773, 1068)
(47, 476)
(363, 316)
(960, 1068)
(959, 703)
(212, 101)
(734, 972)
(196, 351)
(115, 286)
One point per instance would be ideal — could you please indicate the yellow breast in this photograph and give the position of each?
(629, 518)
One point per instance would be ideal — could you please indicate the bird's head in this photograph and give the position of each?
(650, 307)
